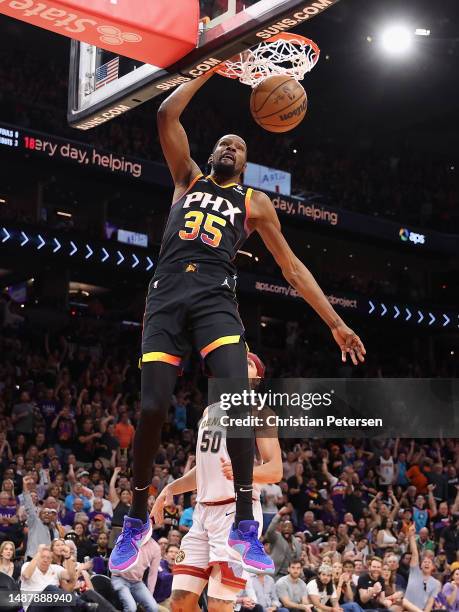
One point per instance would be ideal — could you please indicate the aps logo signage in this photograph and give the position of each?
(407, 235)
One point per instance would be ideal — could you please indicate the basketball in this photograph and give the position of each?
(278, 104)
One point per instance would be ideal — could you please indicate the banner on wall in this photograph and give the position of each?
(57, 149)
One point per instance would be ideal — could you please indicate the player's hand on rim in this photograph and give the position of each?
(349, 343)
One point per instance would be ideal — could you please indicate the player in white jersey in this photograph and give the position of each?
(204, 557)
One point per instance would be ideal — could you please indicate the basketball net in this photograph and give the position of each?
(284, 54)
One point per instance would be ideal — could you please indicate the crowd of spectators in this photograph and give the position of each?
(419, 189)
(354, 524)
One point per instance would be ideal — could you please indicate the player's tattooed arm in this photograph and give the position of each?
(264, 220)
(173, 138)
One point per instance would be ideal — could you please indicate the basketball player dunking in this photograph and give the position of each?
(191, 299)
(203, 557)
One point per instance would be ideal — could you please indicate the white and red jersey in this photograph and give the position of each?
(386, 471)
(211, 484)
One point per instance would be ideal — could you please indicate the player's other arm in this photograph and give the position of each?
(270, 470)
(264, 220)
(182, 485)
(173, 138)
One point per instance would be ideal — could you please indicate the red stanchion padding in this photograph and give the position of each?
(158, 32)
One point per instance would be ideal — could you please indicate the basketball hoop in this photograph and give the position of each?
(283, 54)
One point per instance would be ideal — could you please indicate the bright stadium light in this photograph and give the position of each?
(397, 40)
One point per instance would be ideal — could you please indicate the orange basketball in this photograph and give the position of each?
(278, 104)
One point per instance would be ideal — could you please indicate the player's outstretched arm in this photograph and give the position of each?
(264, 220)
(173, 138)
(185, 484)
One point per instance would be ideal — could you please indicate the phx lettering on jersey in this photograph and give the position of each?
(217, 203)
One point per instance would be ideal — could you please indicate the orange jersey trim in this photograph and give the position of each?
(248, 197)
(218, 184)
(158, 356)
(196, 178)
(219, 342)
(191, 570)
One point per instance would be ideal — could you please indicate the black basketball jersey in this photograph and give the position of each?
(207, 224)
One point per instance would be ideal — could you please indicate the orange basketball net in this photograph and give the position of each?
(283, 54)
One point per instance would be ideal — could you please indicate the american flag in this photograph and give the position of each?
(107, 72)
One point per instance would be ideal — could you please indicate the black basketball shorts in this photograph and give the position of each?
(189, 304)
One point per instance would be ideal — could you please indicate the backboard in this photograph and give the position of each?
(103, 85)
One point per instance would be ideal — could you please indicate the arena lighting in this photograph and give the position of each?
(62, 213)
(397, 39)
(2, 201)
(422, 32)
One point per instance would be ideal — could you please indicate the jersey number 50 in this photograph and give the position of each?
(196, 220)
(211, 441)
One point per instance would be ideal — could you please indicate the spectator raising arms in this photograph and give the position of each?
(121, 503)
(42, 522)
(284, 547)
(422, 587)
